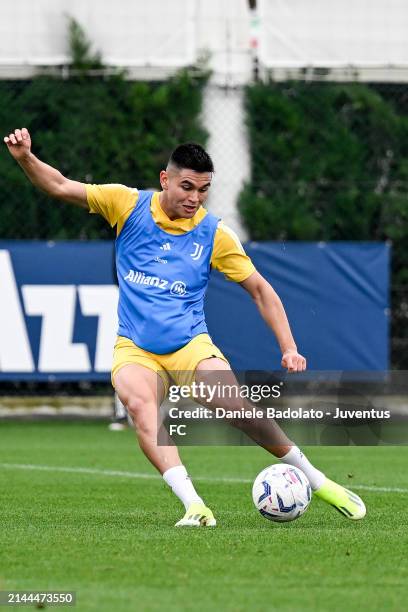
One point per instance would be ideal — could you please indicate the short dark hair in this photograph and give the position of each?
(192, 156)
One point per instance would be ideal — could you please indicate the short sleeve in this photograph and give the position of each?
(229, 256)
(113, 202)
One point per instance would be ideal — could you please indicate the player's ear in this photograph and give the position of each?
(164, 180)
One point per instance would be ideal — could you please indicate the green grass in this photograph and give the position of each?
(112, 540)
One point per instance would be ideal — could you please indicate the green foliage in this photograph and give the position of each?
(80, 47)
(330, 162)
(101, 130)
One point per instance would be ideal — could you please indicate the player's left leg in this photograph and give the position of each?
(215, 374)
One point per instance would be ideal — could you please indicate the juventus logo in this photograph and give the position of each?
(198, 251)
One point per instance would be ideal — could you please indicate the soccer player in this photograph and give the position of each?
(166, 244)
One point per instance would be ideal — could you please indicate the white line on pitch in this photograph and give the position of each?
(141, 475)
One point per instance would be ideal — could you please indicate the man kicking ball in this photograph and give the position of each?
(166, 245)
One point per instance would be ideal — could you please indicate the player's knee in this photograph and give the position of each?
(142, 410)
(136, 405)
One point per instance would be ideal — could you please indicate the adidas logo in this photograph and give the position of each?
(166, 246)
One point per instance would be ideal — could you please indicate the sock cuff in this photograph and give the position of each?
(177, 470)
(295, 450)
(297, 458)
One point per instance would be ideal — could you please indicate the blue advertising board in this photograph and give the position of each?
(58, 308)
(336, 296)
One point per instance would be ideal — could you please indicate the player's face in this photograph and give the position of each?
(184, 191)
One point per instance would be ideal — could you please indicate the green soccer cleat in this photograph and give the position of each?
(345, 501)
(197, 515)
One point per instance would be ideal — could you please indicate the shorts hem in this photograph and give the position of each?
(160, 373)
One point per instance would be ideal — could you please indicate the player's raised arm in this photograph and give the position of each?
(43, 176)
(273, 313)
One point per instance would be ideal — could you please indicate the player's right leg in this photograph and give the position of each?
(142, 391)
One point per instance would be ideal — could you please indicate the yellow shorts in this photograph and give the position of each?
(181, 364)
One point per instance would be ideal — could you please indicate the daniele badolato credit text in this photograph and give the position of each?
(275, 413)
(213, 394)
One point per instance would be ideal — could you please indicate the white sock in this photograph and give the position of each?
(296, 458)
(181, 485)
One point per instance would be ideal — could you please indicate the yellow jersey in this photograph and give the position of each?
(116, 202)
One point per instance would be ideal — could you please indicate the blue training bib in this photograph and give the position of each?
(162, 280)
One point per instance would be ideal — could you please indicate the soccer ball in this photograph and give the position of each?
(281, 493)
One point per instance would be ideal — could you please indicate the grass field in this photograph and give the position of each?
(77, 526)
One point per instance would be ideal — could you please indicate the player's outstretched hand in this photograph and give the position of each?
(293, 361)
(19, 143)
